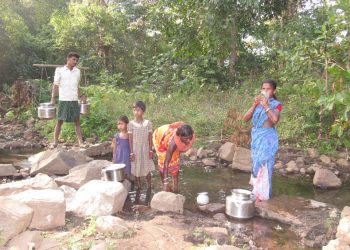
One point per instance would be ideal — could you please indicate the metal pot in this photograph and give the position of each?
(84, 108)
(46, 111)
(240, 204)
(114, 172)
(202, 198)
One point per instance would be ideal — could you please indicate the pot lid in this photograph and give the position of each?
(115, 166)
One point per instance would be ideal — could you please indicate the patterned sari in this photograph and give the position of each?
(264, 147)
(162, 137)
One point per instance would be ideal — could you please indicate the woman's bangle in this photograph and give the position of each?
(267, 110)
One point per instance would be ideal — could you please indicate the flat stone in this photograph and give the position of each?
(209, 162)
(343, 163)
(325, 178)
(7, 170)
(325, 159)
(15, 217)
(99, 198)
(48, 205)
(168, 202)
(242, 159)
(40, 181)
(305, 216)
(213, 208)
(226, 151)
(82, 174)
(111, 224)
(220, 217)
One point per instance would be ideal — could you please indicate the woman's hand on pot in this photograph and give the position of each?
(257, 100)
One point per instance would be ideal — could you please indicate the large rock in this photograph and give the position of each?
(98, 149)
(22, 240)
(343, 231)
(242, 159)
(56, 162)
(345, 212)
(82, 174)
(226, 151)
(325, 178)
(336, 245)
(99, 198)
(69, 194)
(48, 205)
(168, 202)
(40, 181)
(15, 217)
(7, 170)
(111, 224)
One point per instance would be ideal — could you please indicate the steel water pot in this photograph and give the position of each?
(46, 111)
(240, 204)
(114, 172)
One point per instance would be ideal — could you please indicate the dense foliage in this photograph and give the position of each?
(185, 58)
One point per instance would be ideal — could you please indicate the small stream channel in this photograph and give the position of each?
(219, 182)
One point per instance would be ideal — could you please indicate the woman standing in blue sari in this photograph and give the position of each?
(265, 114)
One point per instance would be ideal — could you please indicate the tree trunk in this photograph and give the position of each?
(233, 56)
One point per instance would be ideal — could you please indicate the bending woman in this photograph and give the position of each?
(169, 141)
(265, 114)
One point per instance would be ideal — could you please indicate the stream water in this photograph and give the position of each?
(219, 182)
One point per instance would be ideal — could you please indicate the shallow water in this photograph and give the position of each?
(11, 156)
(218, 183)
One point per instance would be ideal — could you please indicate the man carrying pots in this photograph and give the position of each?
(66, 84)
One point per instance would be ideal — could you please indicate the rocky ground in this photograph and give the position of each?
(69, 179)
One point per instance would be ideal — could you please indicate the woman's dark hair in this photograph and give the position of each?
(184, 131)
(124, 119)
(273, 85)
(141, 105)
(73, 54)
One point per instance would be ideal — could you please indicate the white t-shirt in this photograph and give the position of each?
(68, 82)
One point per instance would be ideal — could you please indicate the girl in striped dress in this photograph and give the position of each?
(140, 139)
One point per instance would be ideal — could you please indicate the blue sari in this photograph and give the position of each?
(264, 143)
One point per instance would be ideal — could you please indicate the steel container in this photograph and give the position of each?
(114, 172)
(240, 204)
(46, 111)
(84, 108)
